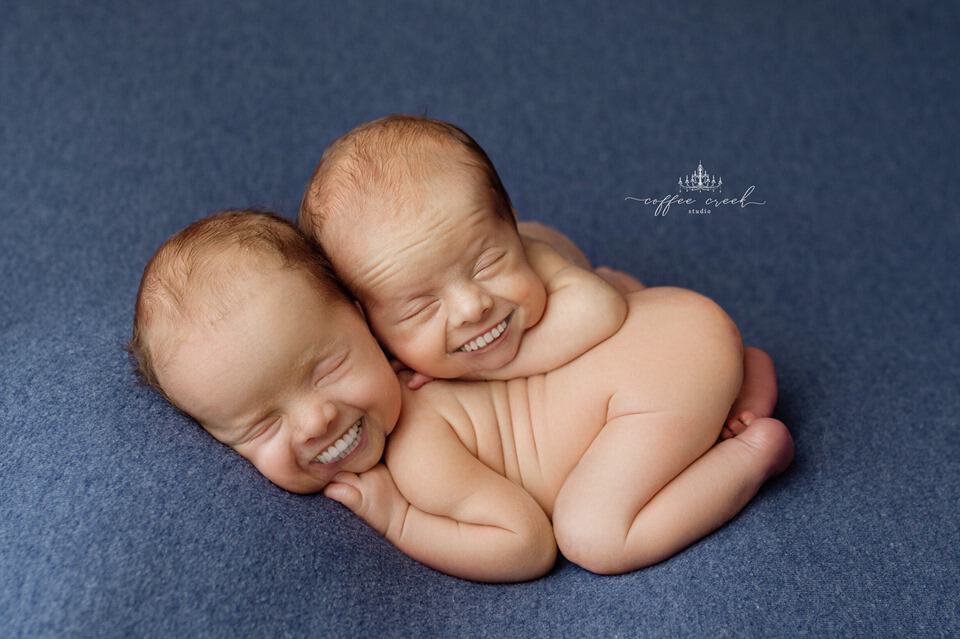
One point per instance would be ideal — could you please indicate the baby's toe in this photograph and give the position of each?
(738, 424)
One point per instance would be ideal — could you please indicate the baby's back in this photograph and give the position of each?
(676, 351)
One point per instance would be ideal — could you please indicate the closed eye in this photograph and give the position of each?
(330, 367)
(420, 310)
(488, 262)
(263, 428)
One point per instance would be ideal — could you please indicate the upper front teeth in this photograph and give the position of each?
(486, 338)
(343, 446)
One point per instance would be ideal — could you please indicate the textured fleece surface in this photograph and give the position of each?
(121, 122)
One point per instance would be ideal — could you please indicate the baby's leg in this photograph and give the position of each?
(648, 487)
(758, 394)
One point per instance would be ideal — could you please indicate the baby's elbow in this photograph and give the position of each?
(537, 552)
(543, 552)
(612, 312)
(547, 555)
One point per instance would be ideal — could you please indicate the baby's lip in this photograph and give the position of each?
(483, 332)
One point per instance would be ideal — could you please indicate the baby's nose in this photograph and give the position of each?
(471, 304)
(316, 420)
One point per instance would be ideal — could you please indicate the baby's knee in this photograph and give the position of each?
(592, 541)
(584, 543)
(608, 546)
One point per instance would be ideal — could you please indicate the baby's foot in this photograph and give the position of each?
(758, 393)
(769, 438)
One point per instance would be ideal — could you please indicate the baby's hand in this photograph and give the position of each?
(373, 496)
(416, 380)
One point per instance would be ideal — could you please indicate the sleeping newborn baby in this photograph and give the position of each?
(241, 325)
(611, 443)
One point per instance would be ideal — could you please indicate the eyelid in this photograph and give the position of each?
(416, 310)
(328, 366)
(262, 426)
(489, 259)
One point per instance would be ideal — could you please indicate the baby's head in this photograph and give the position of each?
(418, 225)
(240, 324)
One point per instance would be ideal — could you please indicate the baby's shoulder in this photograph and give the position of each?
(444, 395)
(421, 409)
(544, 260)
(432, 397)
(431, 417)
(439, 405)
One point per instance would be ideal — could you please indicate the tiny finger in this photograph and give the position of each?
(346, 477)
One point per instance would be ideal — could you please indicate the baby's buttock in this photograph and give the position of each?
(676, 351)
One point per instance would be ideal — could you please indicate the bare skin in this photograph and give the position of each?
(627, 479)
(560, 242)
(757, 396)
(601, 444)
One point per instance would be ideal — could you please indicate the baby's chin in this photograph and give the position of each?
(474, 370)
(369, 456)
(490, 363)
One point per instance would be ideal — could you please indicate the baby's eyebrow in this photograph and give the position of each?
(405, 295)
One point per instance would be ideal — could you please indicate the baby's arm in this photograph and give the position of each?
(448, 510)
(555, 239)
(582, 310)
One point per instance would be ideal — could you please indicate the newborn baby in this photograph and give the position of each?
(423, 232)
(418, 225)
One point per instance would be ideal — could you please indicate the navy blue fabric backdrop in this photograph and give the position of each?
(121, 122)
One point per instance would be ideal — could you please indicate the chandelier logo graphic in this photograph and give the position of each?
(700, 181)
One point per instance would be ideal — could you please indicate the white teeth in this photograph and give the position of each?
(343, 446)
(486, 338)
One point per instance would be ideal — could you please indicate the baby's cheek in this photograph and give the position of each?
(536, 300)
(280, 471)
(430, 351)
(386, 334)
(408, 346)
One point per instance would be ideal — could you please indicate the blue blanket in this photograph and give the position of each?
(121, 122)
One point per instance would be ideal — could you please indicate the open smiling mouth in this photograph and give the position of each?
(487, 338)
(343, 446)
